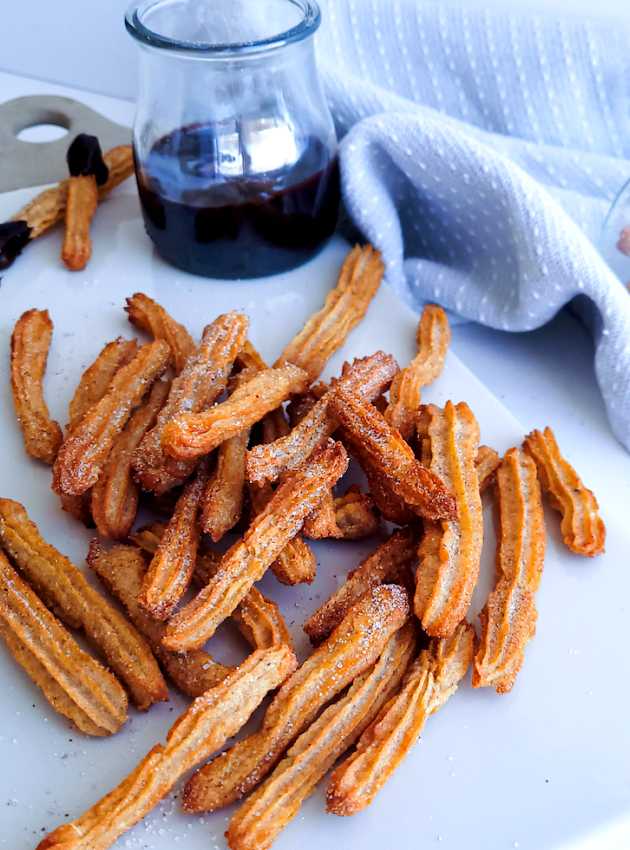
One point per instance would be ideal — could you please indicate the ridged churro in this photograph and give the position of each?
(74, 683)
(276, 802)
(63, 588)
(431, 680)
(350, 650)
(122, 569)
(508, 620)
(374, 442)
(389, 563)
(296, 563)
(582, 527)
(368, 376)
(201, 381)
(171, 569)
(114, 499)
(450, 552)
(487, 463)
(151, 317)
(247, 560)
(345, 306)
(433, 339)
(203, 728)
(30, 343)
(87, 446)
(258, 618)
(97, 377)
(189, 435)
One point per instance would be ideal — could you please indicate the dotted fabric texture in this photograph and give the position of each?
(481, 151)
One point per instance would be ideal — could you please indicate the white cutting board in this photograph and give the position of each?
(544, 767)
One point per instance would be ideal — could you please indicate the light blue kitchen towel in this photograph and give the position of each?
(481, 151)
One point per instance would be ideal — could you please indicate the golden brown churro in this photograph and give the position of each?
(224, 495)
(63, 588)
(431, 680)
(345, 306)
(258, 618)
(203, 728)
(374, 442)
(368, 376)
(171, 569)
(389, 563)
(114, 501)
(81, 203)
(508, 620)
(582, 527)
(246, 561)
(122, 569)
(450, 552)
(97, 377)
(151, 317)
(296, 563)
(201, 381)
(88, 171)
(189, 435)
(74, 683)
(30, 343)
(276, 802)
(350, 650)
(48, 208)
(86, 448)
(433, 339)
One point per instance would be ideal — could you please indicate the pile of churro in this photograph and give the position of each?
(213, 441)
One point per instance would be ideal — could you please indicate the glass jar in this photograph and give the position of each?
(234, 143)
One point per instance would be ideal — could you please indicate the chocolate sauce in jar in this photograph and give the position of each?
(218, 206)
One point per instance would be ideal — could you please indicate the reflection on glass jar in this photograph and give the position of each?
(234, 143)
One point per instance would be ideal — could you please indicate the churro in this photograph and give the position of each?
(368, 376)
(582, 527)
(64, 589)
(373, 441)
(189, 435)
(276, 802)
(247, 560)
(86, 448)
(88, 171)
(350, 650)
(258, 618)
(97, 377)
(345, 305)
(30, 343)
(450, 552)
(433, 339)
(201, 381)
(74, 683)
(122, 569)
(431, 680)
(203, 728)
(508, 620)
(114, 499)
(171, 569)
(151, 317)
(393, 561)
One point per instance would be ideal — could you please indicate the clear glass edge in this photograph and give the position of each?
(147, 37)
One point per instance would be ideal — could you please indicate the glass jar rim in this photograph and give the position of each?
(311, 19)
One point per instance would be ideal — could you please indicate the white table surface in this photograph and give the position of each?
(543, 377)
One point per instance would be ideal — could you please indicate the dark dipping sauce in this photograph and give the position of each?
(206, 214)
